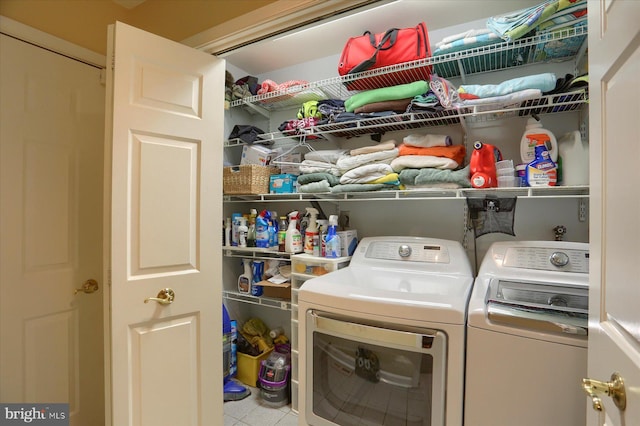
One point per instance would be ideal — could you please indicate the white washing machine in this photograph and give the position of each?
(382, 340)
(527, 336)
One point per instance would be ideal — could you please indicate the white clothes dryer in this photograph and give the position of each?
(382, 340)
(527, 336)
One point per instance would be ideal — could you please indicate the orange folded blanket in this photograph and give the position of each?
(454, 152)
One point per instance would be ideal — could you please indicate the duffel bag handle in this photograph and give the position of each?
(389, 36)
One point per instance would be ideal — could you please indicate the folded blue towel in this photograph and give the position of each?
(544, 82)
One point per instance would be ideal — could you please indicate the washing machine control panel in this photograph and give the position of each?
(547, 259)
(413, 252)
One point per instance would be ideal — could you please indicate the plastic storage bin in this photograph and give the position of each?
(249, 367)
(315, 266)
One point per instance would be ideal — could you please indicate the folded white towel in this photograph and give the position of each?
(349, 162)
(310, 166)
(421, 162)
(325, 155)
(366, 173)
(385, 146)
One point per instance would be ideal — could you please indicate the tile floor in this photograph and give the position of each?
(252, 411)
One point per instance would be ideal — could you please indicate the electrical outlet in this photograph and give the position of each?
(582, 210)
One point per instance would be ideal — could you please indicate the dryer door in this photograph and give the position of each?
(362, 373)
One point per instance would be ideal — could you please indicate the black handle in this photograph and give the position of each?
(390, 37)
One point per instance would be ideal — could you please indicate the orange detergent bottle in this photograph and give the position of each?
(482, 165)
(542, 171)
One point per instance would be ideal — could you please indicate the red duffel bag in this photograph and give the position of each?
(395, 46)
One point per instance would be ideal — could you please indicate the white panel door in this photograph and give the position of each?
(166, 216)
(614, 333)
(51, 168)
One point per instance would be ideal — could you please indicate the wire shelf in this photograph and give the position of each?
(555, 192)
(556, 103)
(557, 46)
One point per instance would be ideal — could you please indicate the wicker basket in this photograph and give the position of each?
(247, 179)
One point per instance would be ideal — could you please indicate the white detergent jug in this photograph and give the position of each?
(574, 155)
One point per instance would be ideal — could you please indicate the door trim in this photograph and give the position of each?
(47, 41)
(276, 18)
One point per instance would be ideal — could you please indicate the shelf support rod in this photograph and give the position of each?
(258, 109)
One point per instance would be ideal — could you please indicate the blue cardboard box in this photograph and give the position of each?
(282, 184)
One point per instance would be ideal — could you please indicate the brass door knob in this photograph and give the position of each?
(613, 388)
(164, 297)
(89, 286)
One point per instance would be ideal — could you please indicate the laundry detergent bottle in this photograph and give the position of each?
(542, 171)
(482, 166)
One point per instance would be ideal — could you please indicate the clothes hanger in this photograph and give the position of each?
(302, 143)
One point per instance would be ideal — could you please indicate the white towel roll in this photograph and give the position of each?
(426, 141)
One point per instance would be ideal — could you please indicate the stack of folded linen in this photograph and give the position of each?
(431, 161)
(319, 171)
(362, 169)
(544, 16)
(368, 169)
(466, 40)
(391, 97)
(506, 93)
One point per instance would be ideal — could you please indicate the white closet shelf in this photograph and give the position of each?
(255, 253)
(418, 194)
(262, 300)
(560, 45)
(548, 104)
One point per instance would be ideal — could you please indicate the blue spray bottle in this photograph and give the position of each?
(332, 244)
(257, 272)
(262, 229)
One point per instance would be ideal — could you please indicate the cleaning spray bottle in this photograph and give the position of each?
(276, 228)
(251, 233)
(527, 146)
(293, 238)
(235, 222)
(282, 233)
(242, 232)
(256, 276)
(227, 232)
(262, 229)
(244, 280)
(323, 226)
(273, 233)
(311, 232)
(542, 171)
(482, 166)
(332, 244)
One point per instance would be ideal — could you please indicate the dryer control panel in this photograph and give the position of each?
(547, 259)
(408, 251)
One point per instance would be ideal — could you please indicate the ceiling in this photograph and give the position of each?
(129, 4)
(327, 39)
